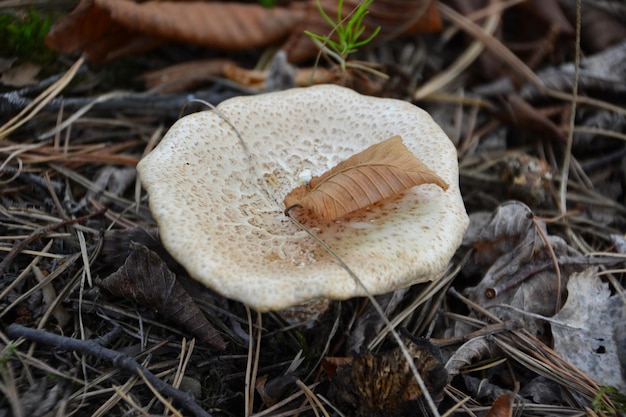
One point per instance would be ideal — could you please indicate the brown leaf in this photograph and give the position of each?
(90, 29)
(146, 280)
(249, 78)
(214, 24)
(377, 173)
(21, 76)
(330, 364)
(101, 28)
(429, 22)
(185, 76)
(257, 79)
(503, 405)
(550, 12)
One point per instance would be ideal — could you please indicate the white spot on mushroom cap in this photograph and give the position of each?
(215, 217)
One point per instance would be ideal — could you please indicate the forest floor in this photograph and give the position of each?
(528, 318)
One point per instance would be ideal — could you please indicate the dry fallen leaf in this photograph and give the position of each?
(513, 254)
(377, 173)
(588, 330)
(106, 29)
(21, 75)
(146, 280)
(186, 76)
(258, 79)
(503, 405)
(517, 268)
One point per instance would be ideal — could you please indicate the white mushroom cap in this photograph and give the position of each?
(210, 197)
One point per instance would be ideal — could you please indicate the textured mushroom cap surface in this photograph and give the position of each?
(220, 211)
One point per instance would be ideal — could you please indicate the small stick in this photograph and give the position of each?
(119, 360)
(493, 292)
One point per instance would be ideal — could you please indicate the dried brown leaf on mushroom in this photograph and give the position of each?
(379, 172)
(145, 279)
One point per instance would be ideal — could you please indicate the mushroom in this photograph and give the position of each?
(218, 178)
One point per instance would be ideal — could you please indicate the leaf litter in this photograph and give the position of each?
(550, 321)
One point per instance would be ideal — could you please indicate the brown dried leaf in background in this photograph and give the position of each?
(107, 29)
(382, 384)
(503, 405)
(258, 80)
(377, 173)
(394, 17)
(146, 280)
(230, 26)
(521, 271)
(249, 78)
(21, 75)
(103, 28)
(185, 76)
(90, 29)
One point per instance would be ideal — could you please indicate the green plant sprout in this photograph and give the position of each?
(24, 33)
(7, 354)
(267, 3)
(348, 29)
(617, 398)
